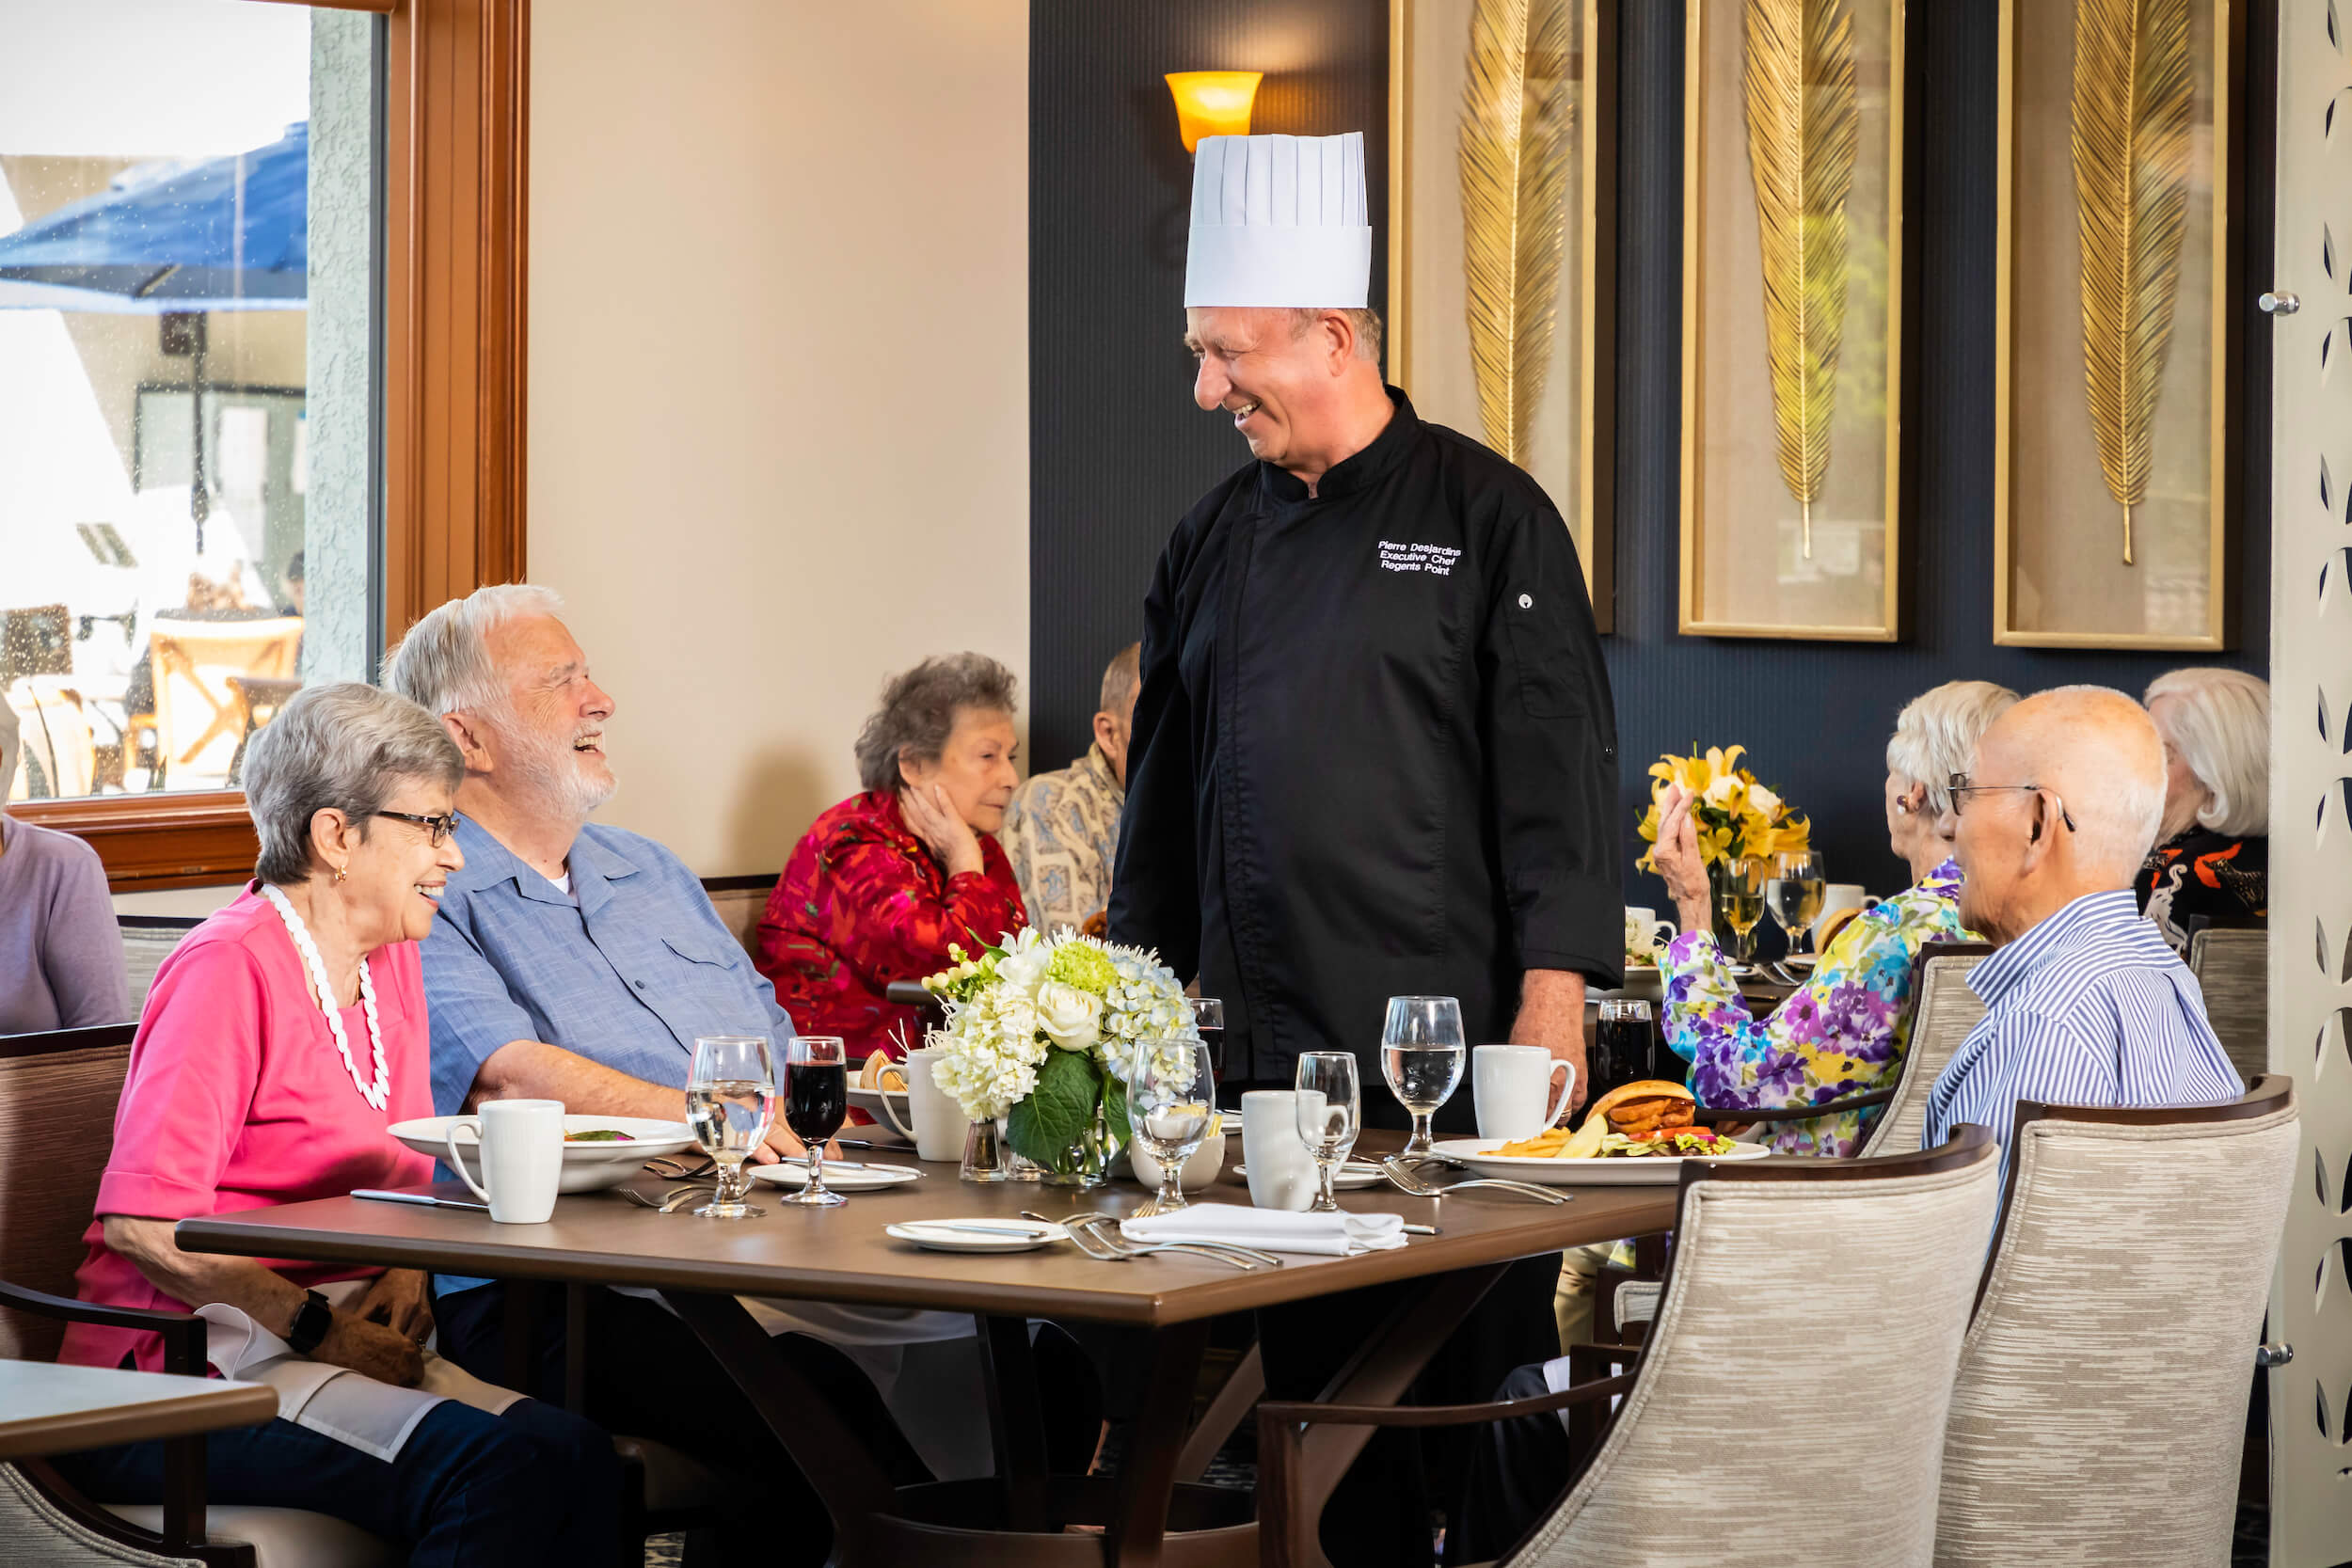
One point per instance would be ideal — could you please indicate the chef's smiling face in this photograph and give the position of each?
(1272, 379)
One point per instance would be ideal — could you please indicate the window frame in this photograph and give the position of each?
(456, 172)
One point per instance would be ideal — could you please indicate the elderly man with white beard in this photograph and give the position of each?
(575, 961)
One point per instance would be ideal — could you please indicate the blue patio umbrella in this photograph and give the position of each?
(227, 234)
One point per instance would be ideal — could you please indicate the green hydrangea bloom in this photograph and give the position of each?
(1083, 965)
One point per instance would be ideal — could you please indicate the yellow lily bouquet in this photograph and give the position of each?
(1736, 818)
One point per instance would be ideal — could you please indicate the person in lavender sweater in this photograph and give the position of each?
(61, 965)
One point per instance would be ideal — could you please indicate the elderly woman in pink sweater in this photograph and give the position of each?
(281, 1040)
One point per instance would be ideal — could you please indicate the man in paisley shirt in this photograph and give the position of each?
(1061, 831)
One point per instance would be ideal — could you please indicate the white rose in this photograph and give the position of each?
(1071, 1019)
(1025, 967)
(1721, 788)
(1764, 800)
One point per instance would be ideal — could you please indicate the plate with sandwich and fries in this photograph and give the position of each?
(1640, 1134)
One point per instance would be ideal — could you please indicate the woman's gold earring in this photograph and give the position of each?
(341, 874)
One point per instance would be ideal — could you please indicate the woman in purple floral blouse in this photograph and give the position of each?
(1846, 1030)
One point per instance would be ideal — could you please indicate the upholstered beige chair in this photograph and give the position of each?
(2101, 1397)
(1789, 1409)
(1944, 1012)
(2233, 969)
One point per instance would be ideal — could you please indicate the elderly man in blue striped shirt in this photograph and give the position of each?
(2086, 1005)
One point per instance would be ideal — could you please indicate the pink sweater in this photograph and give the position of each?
(237, 1099)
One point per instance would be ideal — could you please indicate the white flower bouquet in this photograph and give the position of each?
(1044, 1031)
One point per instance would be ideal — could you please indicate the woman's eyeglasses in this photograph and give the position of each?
(438, 828)
(1960, 790)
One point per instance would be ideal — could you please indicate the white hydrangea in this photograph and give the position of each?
(1145, 1006)
(991, 1062)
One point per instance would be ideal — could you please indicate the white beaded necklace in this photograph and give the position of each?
(375, 1096)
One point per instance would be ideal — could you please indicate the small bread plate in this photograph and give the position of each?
(588, 1167)
(1352, 1177)
(981, 1233)
(841, 1176)
(1648, 1170)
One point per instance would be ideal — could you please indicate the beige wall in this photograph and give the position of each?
(778, 381)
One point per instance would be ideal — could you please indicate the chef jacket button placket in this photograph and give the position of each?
(1527, 601)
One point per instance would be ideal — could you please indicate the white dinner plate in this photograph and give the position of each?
(1649, 1170)
(944, 1236)
(857, 1176)
(1355, 1176)
(587, 1167)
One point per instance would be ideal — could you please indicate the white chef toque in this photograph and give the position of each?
(1280, 221)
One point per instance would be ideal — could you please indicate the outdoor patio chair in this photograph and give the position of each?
(200, 718)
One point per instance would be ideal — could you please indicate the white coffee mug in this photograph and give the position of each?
(1644, 930)
(522, 1158)
(1200, 1165)
(1282, 1172)
(938, 1122)
(1512, 1085)
(1835, 897)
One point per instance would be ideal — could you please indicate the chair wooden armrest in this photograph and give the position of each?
(182, 1334)
(1709, 1116)
(1286, 1532)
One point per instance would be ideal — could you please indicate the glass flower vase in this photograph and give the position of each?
(1086, 1162)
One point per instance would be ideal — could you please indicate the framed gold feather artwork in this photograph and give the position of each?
(2115, 454)
(1502, 239)
(1792, 307)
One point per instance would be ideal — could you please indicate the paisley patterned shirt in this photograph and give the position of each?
(1843, 1034)
(1061, 833)
(862, 903)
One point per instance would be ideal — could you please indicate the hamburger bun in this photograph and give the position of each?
(1647, 1109)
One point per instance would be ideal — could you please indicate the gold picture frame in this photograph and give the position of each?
(1573, 431)
(1793, 481)
(2064, 583)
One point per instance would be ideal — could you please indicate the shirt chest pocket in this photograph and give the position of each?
(698, 961)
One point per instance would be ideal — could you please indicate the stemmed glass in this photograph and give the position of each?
(1208, 1021)
(1170, 1099)
(1330, 1115)
(1794, 893)
(1740, 899)
(730, 1103)
(1421, 1053)
(815, 1098)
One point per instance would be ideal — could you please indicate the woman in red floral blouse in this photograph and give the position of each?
(883, 882)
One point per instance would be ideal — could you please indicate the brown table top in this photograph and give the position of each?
(841, 1253)
(47, 1409)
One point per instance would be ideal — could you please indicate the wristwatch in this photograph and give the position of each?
(312, 1319)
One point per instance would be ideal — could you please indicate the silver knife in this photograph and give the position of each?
(1022, 1231)
(422, 1199)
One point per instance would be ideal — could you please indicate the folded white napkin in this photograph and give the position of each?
(1272, 1229)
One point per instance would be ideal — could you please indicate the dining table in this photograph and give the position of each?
(48, 1409)
(1154, 1509)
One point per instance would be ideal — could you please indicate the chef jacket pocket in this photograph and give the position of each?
(1550, 681)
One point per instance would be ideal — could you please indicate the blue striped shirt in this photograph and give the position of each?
(2090, 1007)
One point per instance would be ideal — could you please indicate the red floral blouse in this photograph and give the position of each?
(862, 903)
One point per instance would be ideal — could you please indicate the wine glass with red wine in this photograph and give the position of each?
(815, 1098)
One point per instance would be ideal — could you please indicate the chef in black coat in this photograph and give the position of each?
(1374, 753)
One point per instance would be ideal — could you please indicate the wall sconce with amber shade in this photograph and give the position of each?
(1213, 102)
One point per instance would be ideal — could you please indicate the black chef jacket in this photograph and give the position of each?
(1374, 753)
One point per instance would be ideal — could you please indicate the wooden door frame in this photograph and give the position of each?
(458, 125)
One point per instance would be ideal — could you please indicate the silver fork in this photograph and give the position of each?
(1410, 1181)
(1105, 1228)
(680, 1170)
(670, 1201)
(1079, 1228)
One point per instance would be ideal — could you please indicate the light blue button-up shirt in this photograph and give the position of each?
(2090, 1007)
(626, 971)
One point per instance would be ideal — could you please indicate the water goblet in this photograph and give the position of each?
(730, 1103)
(1330, 1116)
(1421, 1055)
(1171, 1098)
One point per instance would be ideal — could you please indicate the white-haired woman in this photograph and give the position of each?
(2212, 859)
(281, 1037)
(1846, 1030)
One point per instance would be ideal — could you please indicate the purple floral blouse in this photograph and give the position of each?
(1841, 1035)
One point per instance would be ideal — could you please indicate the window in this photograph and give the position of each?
(244, 463)
(189, 234)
